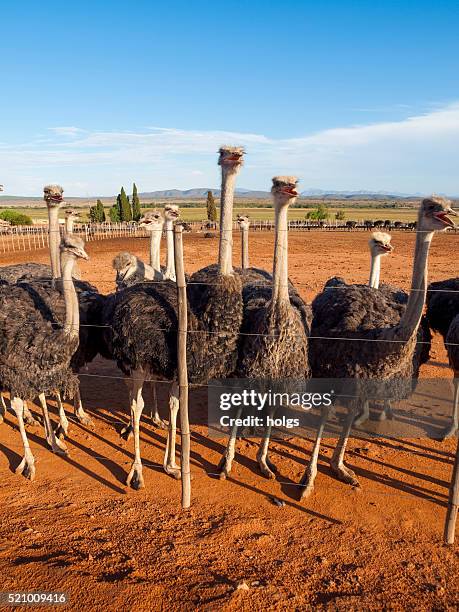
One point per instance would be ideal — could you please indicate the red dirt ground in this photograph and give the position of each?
(78, 528)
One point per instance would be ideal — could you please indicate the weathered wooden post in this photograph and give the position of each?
(453, 502)
(182, 367)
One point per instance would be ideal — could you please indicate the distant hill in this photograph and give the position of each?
(201, 192)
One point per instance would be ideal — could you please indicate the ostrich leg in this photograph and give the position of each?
(387, 412)
(453, 502)
(364, 415)
(452, 429)
(56, 444)
(28, 416)
(62, 429)
(27, 465)
(337, 461)
(226, 462)
(307, 482)
(266, 466)
(2, 408)
(154, 414)
(135, 477)
(170, 466)
(81, 415)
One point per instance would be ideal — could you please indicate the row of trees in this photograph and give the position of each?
(123, 209)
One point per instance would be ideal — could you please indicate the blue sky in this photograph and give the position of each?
(348, 95)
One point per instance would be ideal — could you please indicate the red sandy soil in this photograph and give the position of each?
(78, 528)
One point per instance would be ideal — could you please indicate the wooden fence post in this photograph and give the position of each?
(453, 502)
(182, 367)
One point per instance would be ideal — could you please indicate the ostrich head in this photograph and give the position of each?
(284, 189)
(124, 264)
(434, 214)
(52, 195)
(71, 213)
(152, 221)
(380, 244)
(73, 245)
(231, 158)
(243, 221)
(171, 212)
(1, 187)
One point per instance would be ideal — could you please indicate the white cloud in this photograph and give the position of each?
(417, 154)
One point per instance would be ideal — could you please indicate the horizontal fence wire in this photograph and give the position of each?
(30, 238)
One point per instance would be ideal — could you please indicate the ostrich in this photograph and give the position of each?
(52, 194)
(71, 216)
(380, 246)
(142, 332)
(391, 357)
(276, 342)
(443, 317)
(244, 224)
(131, 270)
(36, 350)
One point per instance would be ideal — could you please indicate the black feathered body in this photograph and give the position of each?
(358, 321)
(24, 272)
(141, 327)
(35, 351)
(50, 302)
(273, 342)
(442, 304)
(452, 344)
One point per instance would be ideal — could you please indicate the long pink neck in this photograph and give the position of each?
(280, 268)
(54, 240)
(225, 253)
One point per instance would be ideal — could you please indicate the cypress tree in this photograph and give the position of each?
(125, 206)
(100, 212)
(211, 208)
(136, 213)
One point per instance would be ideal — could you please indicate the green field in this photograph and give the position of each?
(295, 213)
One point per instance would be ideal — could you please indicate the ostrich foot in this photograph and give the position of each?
(84, 418)
(27, 466)
(267, 467)
(173, 470)
(126, 432)
(449, 432)
(135, 477)
(61, 430)
(29, 419)
(224, 468)
(159, 422)
(361, 419)
(345, 474)
(386, 413)
(57, 445)
(306, 484)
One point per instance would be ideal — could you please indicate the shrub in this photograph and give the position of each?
(15, 218)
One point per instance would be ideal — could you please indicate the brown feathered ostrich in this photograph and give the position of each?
(443, 317)
(36, 351)
(142, 332)
(244, 224)
(392, 354)
(274, 335)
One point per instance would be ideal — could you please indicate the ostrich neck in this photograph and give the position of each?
(69, 225)
(225, 254)
(54, 240)
(170, 260)
(412, 316)
(245, 248)
(280, 268)
(155, 242)
(375, 271)
(72, 311)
